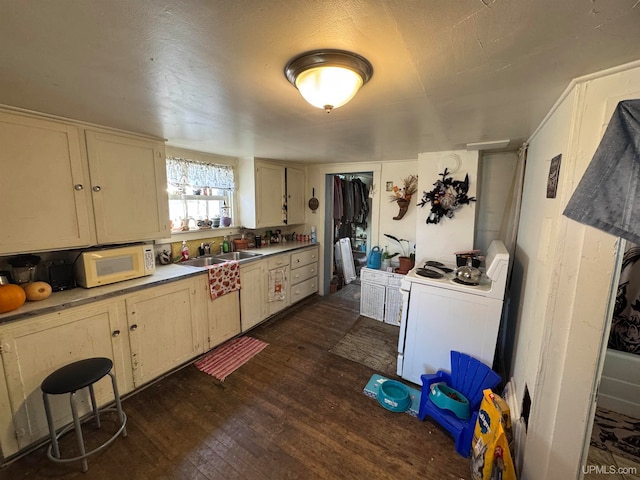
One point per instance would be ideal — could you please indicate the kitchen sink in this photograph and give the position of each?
(236, 255)
(202, 261)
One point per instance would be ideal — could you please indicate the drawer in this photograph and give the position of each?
(395, 279)
(303, 273)
(304, 289)
(304, 257)
(277, 261)
(374, 276)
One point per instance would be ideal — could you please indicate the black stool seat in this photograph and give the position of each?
(76, 375)
(69, 379)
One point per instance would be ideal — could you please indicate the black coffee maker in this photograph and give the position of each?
(60, 275)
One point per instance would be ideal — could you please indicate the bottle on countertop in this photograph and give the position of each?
(226, 248)
(314, 238)
(185, 251)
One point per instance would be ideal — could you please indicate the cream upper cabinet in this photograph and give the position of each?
(61, 189)
(295, 188)
(44, 186)
(128, 186)
(164, 328)
(34, 348)
(271, 194)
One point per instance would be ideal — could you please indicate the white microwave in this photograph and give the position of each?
(95, 268)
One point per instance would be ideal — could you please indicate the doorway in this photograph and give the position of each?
(348, 214)
(615, 435)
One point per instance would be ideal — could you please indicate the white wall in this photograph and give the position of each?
(495, 179)
(405, 228)
(439, 241)
(565, 273)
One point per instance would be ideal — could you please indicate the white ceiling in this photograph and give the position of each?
(208, 75)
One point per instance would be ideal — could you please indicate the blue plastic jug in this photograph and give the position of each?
(375, 258)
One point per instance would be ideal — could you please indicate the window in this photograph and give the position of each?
(200, 194)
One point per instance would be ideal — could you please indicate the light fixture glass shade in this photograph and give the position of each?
(328, 78)
(328, 87)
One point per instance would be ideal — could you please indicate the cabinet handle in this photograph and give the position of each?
(97, 188)
(115, 333)
(78, 186)
(133, 327)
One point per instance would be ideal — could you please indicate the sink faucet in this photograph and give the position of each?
(205, 248)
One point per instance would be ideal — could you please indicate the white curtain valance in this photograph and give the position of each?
(182, 172)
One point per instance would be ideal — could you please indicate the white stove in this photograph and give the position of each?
(439, 314)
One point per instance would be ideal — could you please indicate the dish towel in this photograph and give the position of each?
(608, 197)
(224, 278)
(277, 284)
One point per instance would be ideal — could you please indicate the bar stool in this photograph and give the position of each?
(69, 379)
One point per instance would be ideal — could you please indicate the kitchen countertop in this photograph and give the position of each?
(164, 274)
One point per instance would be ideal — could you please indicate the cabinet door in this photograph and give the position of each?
(295, 196)
(224, 318)
(37, 347)
(253, 302)
(269, 194)
(129, 187)
(41, 162)
(163, 329)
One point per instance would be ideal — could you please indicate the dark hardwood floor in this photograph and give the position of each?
(293, 411)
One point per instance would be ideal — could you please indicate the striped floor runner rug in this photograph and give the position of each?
(229, 356)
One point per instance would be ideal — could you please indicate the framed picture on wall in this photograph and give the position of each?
(554, 173)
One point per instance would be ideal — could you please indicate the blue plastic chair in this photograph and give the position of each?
(469, 377)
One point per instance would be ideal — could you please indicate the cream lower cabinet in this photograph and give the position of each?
(304, 274)
(253, 298)
(223, 316)
(146, 334)
(277, 282)
(34, 348)
(164, 329)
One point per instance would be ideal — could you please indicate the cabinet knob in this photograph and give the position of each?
(115, 333)
(78, 186)
(97, 188)
(133, 327)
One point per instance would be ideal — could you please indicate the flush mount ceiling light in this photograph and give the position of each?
(328, 78)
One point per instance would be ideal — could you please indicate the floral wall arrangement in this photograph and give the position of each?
(447, 196)
(402, 195)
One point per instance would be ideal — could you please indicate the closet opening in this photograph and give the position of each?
(615, 432)
(347, 226)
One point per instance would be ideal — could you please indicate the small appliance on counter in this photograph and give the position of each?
(103, 266)
(60, 275)
(24, 268)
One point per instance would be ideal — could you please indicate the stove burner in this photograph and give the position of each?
(462, 282)
(438, 265)
(433, 263)
(427, 272)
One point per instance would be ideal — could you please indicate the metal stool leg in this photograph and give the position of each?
(94, 404)
(116, 394)
(78, 429)
(52, 430)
